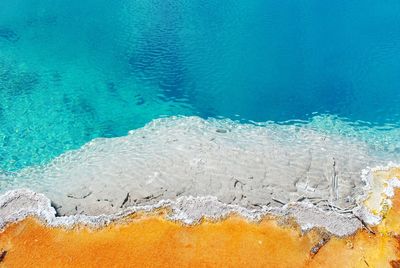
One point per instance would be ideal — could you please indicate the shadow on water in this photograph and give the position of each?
(8, 34)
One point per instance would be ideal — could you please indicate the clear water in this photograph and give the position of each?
(71, 71)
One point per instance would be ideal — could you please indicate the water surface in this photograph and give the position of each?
(71, 71)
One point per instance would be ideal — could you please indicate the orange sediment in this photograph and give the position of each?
(152, 241)
(149, 240)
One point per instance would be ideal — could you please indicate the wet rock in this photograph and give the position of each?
(3, 254)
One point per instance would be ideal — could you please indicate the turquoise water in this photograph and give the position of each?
(71, 71)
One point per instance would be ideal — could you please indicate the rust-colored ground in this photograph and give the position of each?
(152, 241)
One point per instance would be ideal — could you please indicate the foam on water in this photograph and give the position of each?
(238, 163)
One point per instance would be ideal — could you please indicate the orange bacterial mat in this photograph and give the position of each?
(149, 240)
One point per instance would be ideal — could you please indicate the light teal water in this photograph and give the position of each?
(71, 71)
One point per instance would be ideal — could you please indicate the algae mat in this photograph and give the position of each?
(154, 242)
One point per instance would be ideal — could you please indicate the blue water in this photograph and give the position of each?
(71, 71)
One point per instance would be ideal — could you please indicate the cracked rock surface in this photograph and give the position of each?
(239, 164)
(18, 204)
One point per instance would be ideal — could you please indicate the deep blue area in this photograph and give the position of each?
(71, 71)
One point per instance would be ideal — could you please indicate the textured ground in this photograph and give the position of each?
(154, 242)
(150, 240)
(241, 164)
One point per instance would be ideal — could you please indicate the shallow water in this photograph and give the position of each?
(237, 163)
(77, 70)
